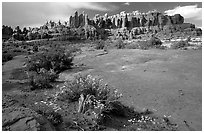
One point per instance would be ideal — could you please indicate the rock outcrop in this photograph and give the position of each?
(136, 23)
(23, 119)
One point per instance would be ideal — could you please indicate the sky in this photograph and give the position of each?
(25, 14)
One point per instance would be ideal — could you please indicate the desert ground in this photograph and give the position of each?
(166, 82)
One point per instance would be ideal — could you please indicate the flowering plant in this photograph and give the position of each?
(95, 98)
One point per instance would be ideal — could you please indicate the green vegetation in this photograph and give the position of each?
(44, 66)
(180, 44)
(95, 98)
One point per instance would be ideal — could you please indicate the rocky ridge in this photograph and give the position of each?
(135, 23)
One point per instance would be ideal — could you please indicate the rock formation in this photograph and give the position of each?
(24, 119)
(128, 20)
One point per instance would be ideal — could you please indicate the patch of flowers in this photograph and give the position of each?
(95, 99)
(71, 90)
(50, 104)
(145, 122)
(49, 110)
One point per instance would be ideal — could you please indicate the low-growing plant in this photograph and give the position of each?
(180, 44)
(100, 44)
(132, 46)
(53, 117)
(119, 44)
(35, 48)
(42, 80)
(154, 42)
(144, 45)
(96, 100)
(56, 59)
(6, 57)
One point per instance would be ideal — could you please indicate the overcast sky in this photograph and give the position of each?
(37, 13)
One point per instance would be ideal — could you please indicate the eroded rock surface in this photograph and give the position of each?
(23, 119)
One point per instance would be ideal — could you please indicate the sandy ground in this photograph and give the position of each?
(168, 82)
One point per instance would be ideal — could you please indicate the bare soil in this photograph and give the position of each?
(166, 82)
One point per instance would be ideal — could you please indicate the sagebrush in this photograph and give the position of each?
(95, 98)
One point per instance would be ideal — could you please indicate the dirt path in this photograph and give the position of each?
(168, 82)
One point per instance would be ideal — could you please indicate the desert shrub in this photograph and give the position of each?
(56, 59)
(42, 80)
(144, 45)
(137, 45)
(7, 56)
(96, 99)
(17, 50)
(132, 46)
(180, 44)
(154, 42)
(35, 48)
(100, 44)
(86, 85)
(119, 44)
(53, 117)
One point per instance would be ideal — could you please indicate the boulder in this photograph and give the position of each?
(24, 119)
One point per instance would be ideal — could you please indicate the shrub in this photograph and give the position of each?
(42, 80)
(144, 45)
(100, 44)
(154, 42)
(132, 46)
(180, 44)
(6, 57)
(86, 85)
(96, 99)
(49, 113)
(17, 50)
(56, 59)
(54, 117)
(119, 44)
(35, 48)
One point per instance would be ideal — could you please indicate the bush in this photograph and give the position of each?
(42, 80)
(17, 50)
(6, 57)
(180, 44)
(154, 42)
(56, 59)
(132, 46)
(144, 45)
(49, 113)
(35, 48)
(100, 44)
(54, 117)
(119, 44)
(86, 85)
(45, 66)
(96, 99)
